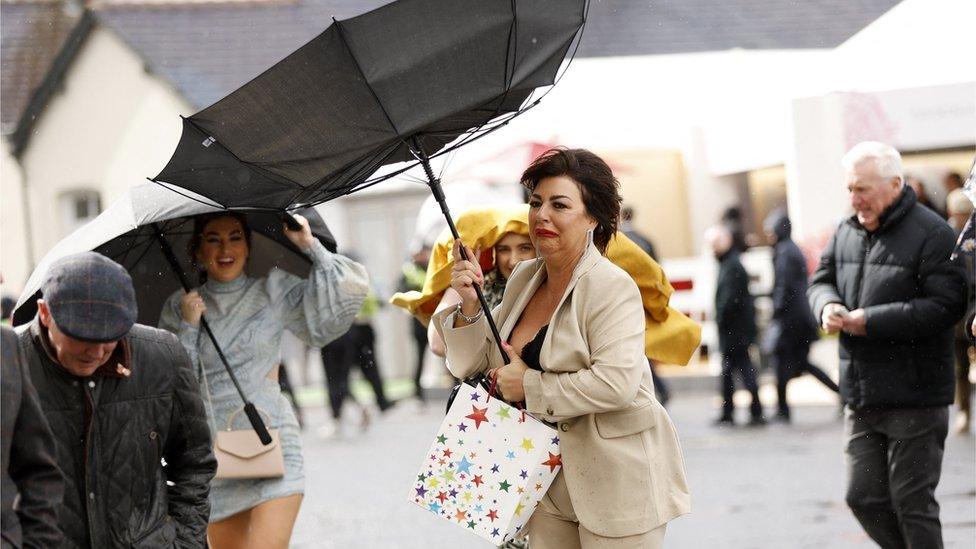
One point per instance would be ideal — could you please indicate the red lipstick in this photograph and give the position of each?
(545, 234)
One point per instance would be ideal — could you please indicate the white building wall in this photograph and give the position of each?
(112, 125)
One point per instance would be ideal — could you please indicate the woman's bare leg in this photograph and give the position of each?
(230, 533)
(272, 523)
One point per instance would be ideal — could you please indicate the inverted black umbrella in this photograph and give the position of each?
(146, 231)
(397, 84)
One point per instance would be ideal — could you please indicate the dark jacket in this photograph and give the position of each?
(965, 250)
(911, 293)
(735, 314)
(793, 324)
(32, 486)
(112, 431)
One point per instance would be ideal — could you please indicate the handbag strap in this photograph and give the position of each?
(206, 389)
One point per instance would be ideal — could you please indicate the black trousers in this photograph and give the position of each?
(355, 348)
(792, 362)
(661, 389)
(894, 462)
(734, 360)
(420, 339)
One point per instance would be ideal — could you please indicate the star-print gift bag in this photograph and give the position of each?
(489, 466)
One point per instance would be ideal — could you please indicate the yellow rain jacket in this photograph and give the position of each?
(671, 337)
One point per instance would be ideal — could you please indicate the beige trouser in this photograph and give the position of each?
(554, 526)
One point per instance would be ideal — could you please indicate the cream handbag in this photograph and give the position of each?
(240, 453)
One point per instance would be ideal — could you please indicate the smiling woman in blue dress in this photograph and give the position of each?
(248, 316)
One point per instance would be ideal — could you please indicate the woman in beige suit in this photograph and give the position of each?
(575, 327)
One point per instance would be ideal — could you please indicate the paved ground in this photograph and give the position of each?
(776, 487)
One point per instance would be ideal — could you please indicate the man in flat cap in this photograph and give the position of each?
(125, 409)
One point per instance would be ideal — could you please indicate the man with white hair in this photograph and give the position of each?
(887, 284)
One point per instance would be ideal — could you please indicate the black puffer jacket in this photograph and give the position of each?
(911, 293)
(112, 431)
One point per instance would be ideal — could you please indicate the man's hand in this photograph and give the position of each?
(832, 318)
(855, 323)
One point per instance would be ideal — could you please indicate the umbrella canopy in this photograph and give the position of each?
(126, 233)
(670, 336)
(392, 85)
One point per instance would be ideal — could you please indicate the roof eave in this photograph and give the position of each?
(20, 137)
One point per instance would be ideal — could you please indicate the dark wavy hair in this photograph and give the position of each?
(597, 184)
(199, 224)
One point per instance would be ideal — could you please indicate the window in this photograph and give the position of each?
(79, 207)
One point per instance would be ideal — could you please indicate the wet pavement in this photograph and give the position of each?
(779, 486)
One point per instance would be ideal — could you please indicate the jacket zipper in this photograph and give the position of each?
(868, 243)
(89, 429)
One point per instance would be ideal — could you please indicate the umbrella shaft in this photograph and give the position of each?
(438, 192)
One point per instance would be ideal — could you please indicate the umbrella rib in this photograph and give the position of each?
(372, 92)
(342, 36)
(270, 175)
(173, 188)
(345, 187)
(578, 39)
(145, 251)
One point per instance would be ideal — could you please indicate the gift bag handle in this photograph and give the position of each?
(493, 392)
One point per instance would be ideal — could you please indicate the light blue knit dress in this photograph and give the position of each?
(248, 317)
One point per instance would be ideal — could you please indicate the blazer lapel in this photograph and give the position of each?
(524, 295)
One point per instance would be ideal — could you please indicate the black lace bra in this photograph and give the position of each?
(532, 349)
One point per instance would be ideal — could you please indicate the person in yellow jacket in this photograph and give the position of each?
(499, 234)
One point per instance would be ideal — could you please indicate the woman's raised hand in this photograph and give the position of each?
(464, 275)
(192, 307)
(303, 237)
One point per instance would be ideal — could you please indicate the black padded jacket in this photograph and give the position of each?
(113, 432)
(912, 295)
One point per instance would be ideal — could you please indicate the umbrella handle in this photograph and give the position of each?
(290, 222)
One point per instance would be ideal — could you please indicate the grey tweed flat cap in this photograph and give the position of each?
(90, 297)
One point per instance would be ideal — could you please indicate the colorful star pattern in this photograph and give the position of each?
(477, 415)
(461, 481)
(555, 460)
(464, 465)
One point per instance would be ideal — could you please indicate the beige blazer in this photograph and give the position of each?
(620, 452)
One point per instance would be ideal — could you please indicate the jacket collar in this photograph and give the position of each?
(118, 365)
(893, 214)
(591, 256)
